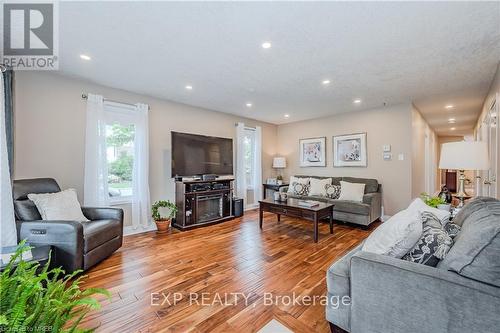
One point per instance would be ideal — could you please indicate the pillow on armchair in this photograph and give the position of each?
(59, 206)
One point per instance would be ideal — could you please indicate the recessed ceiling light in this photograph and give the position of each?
(449, 106)
(249, 105)
(189, 87)
(451, 120)
(325, 82)
(453, 128)
(266, 45)
(287, 116)
(85, 57)
(357, 101)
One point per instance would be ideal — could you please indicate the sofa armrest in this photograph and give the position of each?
(66, 237)
(375, 201)
(98, 213)
(393, 295)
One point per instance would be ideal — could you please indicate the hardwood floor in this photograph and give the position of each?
(154, 279)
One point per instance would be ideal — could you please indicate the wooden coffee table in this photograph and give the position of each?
(292, 208)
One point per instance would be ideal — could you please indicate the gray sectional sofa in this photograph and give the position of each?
(362, 213)
(461, 294)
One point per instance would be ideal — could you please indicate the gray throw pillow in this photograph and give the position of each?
(434, 243)
(332, 191)
(300, 189)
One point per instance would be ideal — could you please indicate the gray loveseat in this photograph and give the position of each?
(461, 294)
(362, 213)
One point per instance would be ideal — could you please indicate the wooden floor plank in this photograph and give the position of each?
(223, 259)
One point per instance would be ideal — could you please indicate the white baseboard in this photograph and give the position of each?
(130, 230)
(250, 207)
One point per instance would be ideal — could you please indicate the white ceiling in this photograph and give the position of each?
(430, 53)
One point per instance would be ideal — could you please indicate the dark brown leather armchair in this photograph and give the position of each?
(77, 245)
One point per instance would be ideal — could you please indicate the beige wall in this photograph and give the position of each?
(419, 175)
(391, 125)
(50, 130)
(493, 92)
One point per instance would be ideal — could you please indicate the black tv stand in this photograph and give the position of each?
(203, 202)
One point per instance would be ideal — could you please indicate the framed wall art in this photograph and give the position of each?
(313, 152)
(350, 150)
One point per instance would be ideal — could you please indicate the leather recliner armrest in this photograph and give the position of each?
(66, 237)
(97, 213)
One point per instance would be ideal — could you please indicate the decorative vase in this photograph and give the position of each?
(445, 194)
(162, 225)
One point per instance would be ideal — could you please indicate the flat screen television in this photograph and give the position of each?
(194, 154)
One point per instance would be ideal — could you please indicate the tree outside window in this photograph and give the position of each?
(120, 158)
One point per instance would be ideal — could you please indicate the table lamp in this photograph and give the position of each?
(461, 156)
(279, 163)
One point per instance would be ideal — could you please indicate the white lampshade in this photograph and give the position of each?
(464, 155)
(279, 162)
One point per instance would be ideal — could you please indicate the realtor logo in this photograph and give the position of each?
(30, 33)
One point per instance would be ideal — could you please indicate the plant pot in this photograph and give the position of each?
(162, 225)
(446, 207)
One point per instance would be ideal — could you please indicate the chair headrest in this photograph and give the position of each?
(22, 187)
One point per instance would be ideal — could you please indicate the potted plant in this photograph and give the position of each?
(436, 202)
(38, 299)
(163, 222)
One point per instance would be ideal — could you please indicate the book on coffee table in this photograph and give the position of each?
(308, 203)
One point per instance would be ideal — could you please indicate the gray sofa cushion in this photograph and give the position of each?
(352, 207)
(471, 206)
(476, 251)
(371, 184)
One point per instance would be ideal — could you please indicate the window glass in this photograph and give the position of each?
(120, 159)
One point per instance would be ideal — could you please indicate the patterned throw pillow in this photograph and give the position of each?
(300, 189)
(332, 191)
(434, 243)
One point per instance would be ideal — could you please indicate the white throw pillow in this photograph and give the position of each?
(351, 191)
(397, 236)
(301, 180)
(60, 206)
(418, 205)
(318, 186)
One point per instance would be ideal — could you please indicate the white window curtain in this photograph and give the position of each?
(8, 233)
(257, 169)
(140, 174)
(241, 182)
(96, 191)
(241, 185)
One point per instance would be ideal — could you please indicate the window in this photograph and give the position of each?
(120, 159)
(121, 128)
(249, 146)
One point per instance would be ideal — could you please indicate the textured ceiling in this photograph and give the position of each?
(430, 54)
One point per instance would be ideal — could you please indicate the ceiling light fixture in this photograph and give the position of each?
(85, 57)
(357, 101)
(266, 45)
(449, 106)
(189, 87)
(287, 116)
(249, 105)
(453, 128)
(325, 82)
(451, 120)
